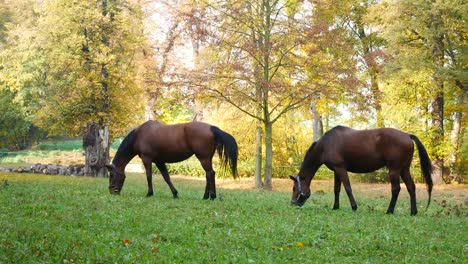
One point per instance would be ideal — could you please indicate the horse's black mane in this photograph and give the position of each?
(334, 130)
(307, 155)
(125, 147)
(326, 138)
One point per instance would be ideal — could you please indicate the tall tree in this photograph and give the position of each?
(5, 17)
(428, 36)
(368, 52)
(90, 51)
(18, 77)
(258, 59)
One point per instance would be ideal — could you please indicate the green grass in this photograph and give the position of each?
(76, 144)
(56, 219)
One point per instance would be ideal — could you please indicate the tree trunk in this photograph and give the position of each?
(326, 124)
(455, 134)
(371, 67)
(96, 146)
(268, 156)
(438, 136)
(258, 157)
(266, 7)
(437, 51)
(376, 94)
(258, 42)
(152, 97)
(317, 125)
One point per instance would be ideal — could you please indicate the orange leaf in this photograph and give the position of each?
(125, 242)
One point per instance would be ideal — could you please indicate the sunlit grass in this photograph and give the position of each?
(52, 219)
(67, 152)
(26, 158)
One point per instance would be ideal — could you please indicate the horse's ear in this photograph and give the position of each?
(109, 166)
(292, 178)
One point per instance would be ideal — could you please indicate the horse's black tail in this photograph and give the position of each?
(426, 166)
(227, 149)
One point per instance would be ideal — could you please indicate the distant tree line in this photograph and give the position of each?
(275, 73)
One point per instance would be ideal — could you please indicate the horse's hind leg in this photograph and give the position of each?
(210, 189)
(337, 190)
(395, 181)
(165, 173)
(411, 187)
(343, 175)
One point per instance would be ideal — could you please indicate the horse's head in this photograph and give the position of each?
(116, 179)
(301, 190)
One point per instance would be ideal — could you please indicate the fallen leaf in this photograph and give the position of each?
(125, 242)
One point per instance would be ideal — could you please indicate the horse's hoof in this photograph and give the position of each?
(212, 196)
(175, 196)
(149, 194)
(414, 213)
(354, 208)
(389, 212)
(336, 207)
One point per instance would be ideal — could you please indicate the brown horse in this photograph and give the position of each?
(157, 143)
(343, 149)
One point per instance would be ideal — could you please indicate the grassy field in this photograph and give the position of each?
(57, 219)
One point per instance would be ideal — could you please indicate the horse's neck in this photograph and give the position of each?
(122, 161)
(311, 163)
(308, 172)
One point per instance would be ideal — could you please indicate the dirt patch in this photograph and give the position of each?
(455, 192)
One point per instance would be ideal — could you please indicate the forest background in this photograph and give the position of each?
(275, 74)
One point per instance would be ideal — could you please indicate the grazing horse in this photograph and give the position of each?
(343, 149)
(157, 143)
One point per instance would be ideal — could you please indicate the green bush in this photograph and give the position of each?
(245, 168)
(3, 152)
(192, 167)
(75, 144)
(70, 144)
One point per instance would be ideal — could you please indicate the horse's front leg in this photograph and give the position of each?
(165, 173)
(343, 175)
(149, 176)
(337, 190)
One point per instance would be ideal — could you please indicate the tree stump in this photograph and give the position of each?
(96, 147)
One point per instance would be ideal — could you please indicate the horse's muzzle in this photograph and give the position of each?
(300, 200)
(296, 203)
(114, 191)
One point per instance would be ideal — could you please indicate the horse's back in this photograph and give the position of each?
(367, 150)
(378, 138)
(153, 136)
(173, 143)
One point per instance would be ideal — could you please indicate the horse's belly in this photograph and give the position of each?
(365, 166)
(363, 170)
(175, 158)
(165, 157)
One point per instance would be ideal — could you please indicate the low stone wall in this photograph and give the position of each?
(71, 170)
